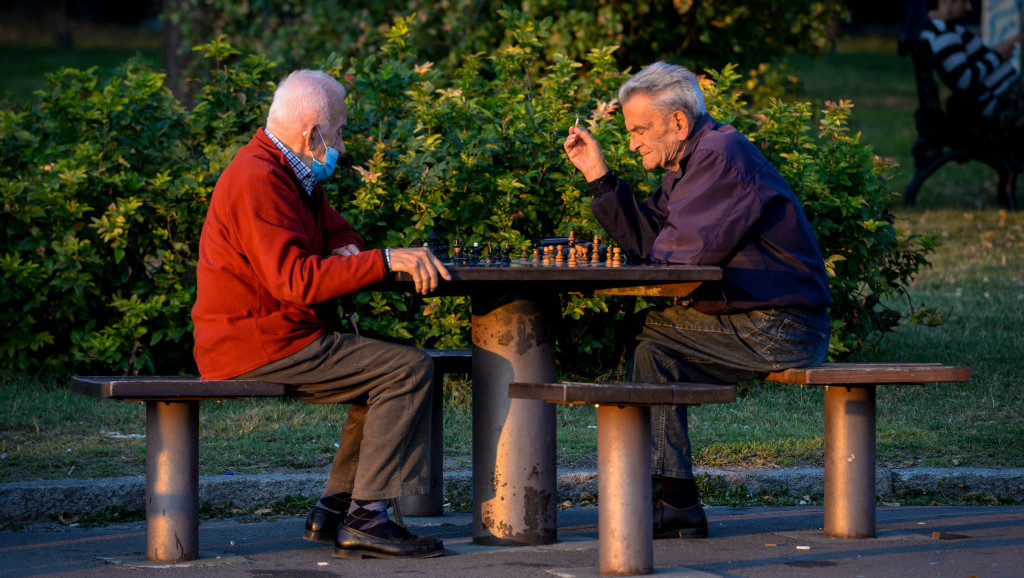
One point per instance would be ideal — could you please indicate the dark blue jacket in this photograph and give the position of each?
(727, 206)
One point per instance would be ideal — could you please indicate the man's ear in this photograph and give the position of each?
(681, 124)
(310, 138)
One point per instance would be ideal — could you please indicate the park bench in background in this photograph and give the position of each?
(625, 527)
(955, 133)
(172, 445)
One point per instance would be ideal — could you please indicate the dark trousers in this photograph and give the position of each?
(384, 449)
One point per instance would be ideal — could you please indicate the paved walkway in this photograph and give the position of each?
(763, 542)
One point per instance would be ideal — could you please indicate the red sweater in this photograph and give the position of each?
(264, 263)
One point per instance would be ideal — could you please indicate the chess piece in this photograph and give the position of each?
(506, 254)
(536, 256)
(433, 244)
(474, 255)
(616, 257)
(558, 254)
(522, 256)
(457, 256)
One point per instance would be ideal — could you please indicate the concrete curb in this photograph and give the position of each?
(24, 502)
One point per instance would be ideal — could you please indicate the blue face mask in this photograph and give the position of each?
(323, 170)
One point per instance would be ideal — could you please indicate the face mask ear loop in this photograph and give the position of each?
(320, 132)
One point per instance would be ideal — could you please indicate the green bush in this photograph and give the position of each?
(104, 188)
(105, 185)
(700, 34)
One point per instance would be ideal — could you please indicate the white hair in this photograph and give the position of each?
(304, 95)
(670, 87)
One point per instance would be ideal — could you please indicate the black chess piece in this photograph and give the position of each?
(506, 254)
(434, 244)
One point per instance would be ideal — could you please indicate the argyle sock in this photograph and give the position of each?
(335, 503)
(368, 516)
(678, 492)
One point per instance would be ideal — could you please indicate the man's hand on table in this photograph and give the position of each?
(420, 263)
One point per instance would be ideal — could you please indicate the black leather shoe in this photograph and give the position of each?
(398, 543)
(672, 522)
(322, 525)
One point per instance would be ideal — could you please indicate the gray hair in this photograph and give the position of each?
(671, 88)
(304, 94)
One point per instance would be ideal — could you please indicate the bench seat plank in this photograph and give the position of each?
(171, 388)
(625, 393)
(872, 373)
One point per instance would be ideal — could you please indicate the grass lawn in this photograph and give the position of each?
(29, 53)
(977, 282)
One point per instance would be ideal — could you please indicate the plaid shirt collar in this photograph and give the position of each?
(304, 173)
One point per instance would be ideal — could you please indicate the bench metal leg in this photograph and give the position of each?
(625, 531)
(850, 461)
(172, 481)
(514, 481)
(431, 503)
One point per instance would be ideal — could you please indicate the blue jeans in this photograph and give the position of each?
(681, 344)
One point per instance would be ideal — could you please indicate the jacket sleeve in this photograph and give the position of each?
(632, 225)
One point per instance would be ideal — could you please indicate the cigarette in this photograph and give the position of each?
(577, 123)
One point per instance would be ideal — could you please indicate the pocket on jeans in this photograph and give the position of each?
(791, 343)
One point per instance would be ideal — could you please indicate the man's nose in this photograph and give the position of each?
(633, 144)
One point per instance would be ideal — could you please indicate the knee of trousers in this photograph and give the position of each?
(419, 368)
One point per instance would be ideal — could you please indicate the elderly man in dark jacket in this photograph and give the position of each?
(721, 203)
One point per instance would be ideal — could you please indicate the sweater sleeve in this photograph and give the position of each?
(275, 236)
(964, 61)
(337, 231)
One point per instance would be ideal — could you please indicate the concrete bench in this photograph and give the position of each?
(625, 527)
(172, 445)
(850, 432)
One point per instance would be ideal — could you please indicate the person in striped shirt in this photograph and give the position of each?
(983, 75)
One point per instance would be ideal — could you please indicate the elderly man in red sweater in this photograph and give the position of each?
(272, 254)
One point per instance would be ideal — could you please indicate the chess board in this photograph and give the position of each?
(557, 265)
(550, 252)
